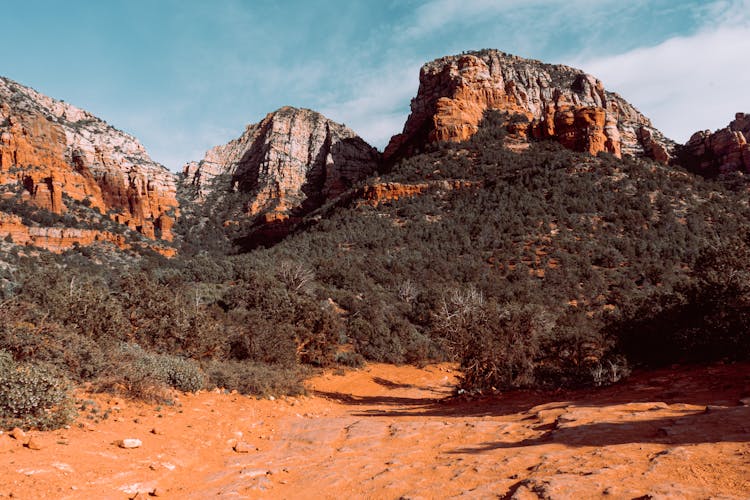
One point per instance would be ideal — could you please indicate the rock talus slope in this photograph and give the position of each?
(49, 149)
(291, 161)
(550, 101)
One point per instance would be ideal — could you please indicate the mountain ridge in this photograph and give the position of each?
(299, 136)
(295, 159)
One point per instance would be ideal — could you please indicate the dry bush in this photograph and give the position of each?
(32, 395)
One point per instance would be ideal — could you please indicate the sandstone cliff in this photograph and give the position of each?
(49, 148)
(554, 101)
(60, 239)
(724, 151)
(289, 163)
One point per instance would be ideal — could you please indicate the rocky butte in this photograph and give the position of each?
(289, 164)
(542, 101)
(50, 149)
(721, 152)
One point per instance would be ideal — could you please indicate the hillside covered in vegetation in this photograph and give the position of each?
(534, 268)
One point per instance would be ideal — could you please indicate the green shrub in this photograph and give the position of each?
(256, 378)
(704, 319)
(264, 341)
(146, 374)
(318, 332)
(32, 395)
(182, 374)
(349, 358)
(80, 357)
(499, 346)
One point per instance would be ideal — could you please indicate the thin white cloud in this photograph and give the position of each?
(435, 15)
(380, 104)
(686, 84)
(174, 146)
(728, 12)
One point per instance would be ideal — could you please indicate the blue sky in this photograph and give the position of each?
(186, 75)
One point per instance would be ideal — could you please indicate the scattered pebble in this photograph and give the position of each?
(242, 447)
(129, 443)
(251, 473)
(33, 444)
(17, 433)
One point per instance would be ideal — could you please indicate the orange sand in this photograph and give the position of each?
(388, 432)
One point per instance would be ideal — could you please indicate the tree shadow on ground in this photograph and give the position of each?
(714, 426)
(690, 385)
(398, 401)
(395, 385)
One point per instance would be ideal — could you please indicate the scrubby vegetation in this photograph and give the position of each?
(180, 324)
(32, 394)
(553, 269)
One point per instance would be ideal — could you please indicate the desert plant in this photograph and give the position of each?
(258, 379)
(146, 374)
(296, 276)
(499, 346)
(609, 372)
(32, 395)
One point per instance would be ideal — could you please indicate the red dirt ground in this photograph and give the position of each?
(390, 432)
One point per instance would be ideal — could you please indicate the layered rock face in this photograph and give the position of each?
(555, 101)
(50, 149)
(290, 163)
(60, 239)
(724, 151)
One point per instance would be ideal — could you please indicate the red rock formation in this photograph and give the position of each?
(724, 151)
(375, 194)
(289, 163)
(54, 239)
(32, 157)
(60, 239)
(581, 129)
(49, 149)
(558, 102)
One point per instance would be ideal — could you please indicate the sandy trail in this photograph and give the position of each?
(389, 432)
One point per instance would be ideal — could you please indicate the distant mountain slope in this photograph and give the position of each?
(547, 244)
(291, 156)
